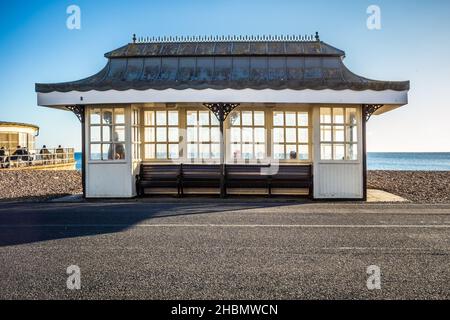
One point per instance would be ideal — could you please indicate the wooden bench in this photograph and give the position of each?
(247, 176)
(292, 176)
(183, 176)
(158, 176)
(199, 176)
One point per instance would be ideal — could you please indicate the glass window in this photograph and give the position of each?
(290, 135)
(107, 134)
(247, 135)
(161, 134)
(203, 135)
(339, 133)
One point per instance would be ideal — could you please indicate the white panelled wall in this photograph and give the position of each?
(337, 179)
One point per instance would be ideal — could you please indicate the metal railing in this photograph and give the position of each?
(24, 157)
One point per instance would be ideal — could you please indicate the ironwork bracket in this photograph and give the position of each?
(221, 110)
(78, 110)
(370, 109)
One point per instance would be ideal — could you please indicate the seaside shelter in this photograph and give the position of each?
(225, 115)
(14, 134)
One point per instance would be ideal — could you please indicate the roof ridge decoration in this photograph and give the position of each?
(228, 38)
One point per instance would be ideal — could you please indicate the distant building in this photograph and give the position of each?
(232, 106)
(13, 134)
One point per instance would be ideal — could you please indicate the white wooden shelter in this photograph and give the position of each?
(284, 101)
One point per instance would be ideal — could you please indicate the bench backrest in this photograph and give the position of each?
(150, 171)
(199, 171)
(293, 172)
(243, 170)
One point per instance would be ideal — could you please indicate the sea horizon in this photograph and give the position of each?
(390, 161)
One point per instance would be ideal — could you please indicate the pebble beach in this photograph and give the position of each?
(35, 185)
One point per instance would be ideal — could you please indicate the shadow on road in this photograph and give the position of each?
(22, 223)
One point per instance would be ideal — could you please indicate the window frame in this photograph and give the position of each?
(112, 125)
(155, 142)
(254, 143)
(197, 127)
(345, 125)
(309, 127)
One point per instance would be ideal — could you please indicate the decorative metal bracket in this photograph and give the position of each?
(221, 110)
(370, 109)
(78, 111)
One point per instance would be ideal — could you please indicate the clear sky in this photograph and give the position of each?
(413, 44)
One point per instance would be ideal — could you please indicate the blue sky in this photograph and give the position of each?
(413, 44)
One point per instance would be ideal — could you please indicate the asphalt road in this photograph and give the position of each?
(230, 249)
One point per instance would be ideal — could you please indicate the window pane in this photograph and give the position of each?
(351, 116)
(291, 135)
(260, 135)
(278, 135)
(338, 115)
(215, 134)
(107, 116)
(161, 151)
(149, 118)
(303, 135)
(352, 151)
(149, 134)
(96, 152)
(149, 151)
(278, 119)
(161, 134)
(260, 151)
(302, 118)
(247, 151)
(204, 134)
(352, 134)
(173, 118)
(173, 151)
(192, 151)
(325, 115)
(278, 151)
(95, 116)
(247, 118)
(203, 118)
(235, 118)
(204, 151)
(107, 152)
(326, 152)
(338, 133)
(215, 151)
(325, 133)
(214, 121)
(119, 115)
(106, 133)
(259, 118)
(236, 151)
(290, 119)
(192, 118)
(247, 135)
(192, 134)
(173, 135)
(119, 133)
(303, 152)
(291, 152)
(338, 152)
(95, 134)
(161, 118)
(235, 134)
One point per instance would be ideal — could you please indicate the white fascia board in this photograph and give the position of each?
(388, 97)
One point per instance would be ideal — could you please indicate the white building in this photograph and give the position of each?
(288, 102)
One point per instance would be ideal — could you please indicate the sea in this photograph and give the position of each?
(402, 161)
